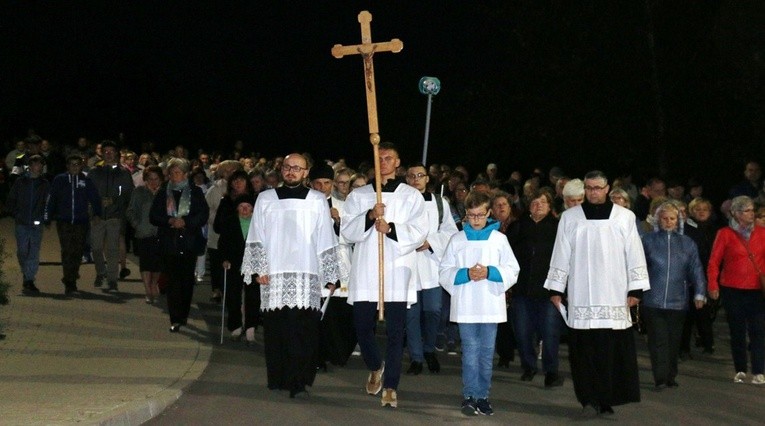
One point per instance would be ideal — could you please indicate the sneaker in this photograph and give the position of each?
(440, 343)
(374, 382)
(250, 336)
(30, 289)
(99, 281)
(758, 379)
(113, 286)
(389, 398)
(739, 377)
(200, 278)
(433, 365)
(469, 407)
(415, 368)
(356, 351)
(124, 272)
(484, 407)
(451, 348)
(553, 380)
(71, 291)
(236, 335)
(528, 375)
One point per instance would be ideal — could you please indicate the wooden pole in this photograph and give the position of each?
(367, 49)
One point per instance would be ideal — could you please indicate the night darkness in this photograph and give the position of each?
(577, 84)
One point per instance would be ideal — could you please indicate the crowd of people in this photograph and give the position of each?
(315, 252)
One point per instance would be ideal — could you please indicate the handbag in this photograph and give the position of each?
(754, 263)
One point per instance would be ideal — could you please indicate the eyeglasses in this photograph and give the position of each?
(296, 169)
(476, 216)
(415, 176)
(594, 188)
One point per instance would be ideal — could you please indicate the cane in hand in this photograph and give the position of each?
(223, 305)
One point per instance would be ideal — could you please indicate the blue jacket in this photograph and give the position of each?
(70, 199)
(673, 266)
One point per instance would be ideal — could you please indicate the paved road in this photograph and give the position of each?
(232, 390)
(108, 359)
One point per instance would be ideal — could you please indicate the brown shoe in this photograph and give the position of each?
(374, 382)
(389, 398)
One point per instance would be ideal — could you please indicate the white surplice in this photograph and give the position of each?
(599, 261)
(438, 237)
(405, 208)
(292, 241)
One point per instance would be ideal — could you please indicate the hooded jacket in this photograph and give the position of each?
(71, 199)
(26, 200)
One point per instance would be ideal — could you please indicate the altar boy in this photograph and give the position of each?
(477, 268)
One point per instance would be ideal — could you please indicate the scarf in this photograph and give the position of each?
(184, 206)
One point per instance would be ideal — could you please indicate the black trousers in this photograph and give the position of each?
(604, 366)
(505, 343)
(72, 238)
(216, 268)
(234, 286)
(365, 320)
(665, 328)
(338, 334)
(291, 338)
(180, 285)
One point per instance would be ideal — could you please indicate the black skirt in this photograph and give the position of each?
(149, 259)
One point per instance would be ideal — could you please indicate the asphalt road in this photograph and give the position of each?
(232, 390)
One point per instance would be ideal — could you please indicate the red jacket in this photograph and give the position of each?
(729, 264)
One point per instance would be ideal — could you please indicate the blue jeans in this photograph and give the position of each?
(446, 329)
(28, 242)
(745, 310)
(422, 321)
(537, 319)
(477, 355)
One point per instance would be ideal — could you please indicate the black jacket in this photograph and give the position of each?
(532, 245)
(180, 242)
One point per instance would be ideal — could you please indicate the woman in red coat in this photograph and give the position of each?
(738, 257)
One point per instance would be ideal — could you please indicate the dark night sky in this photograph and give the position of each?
(544, 83)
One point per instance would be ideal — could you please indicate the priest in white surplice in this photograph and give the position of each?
(291, 248)
(598, 261)
(401, 218)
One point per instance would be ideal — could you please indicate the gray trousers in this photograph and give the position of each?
(105, 241)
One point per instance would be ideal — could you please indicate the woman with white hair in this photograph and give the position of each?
(673, 262)
(179, 212)
(573, 193)
(735, 275)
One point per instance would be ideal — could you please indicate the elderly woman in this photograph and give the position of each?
(179, 211)
(673, 262)
(702, 228)
(506, 213)
(735, 267)
(620, 197)
(535, 318)
(146, 246)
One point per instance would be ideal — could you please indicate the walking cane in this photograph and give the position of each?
(223, 307)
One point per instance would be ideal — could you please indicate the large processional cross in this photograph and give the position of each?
(367, 49)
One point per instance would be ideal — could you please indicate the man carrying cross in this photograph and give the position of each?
(401, 218)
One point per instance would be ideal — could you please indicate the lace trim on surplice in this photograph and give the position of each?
(291, 290)
(616, 313)
(557, 275)
(255, 261)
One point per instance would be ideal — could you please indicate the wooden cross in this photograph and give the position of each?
(367, 49)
